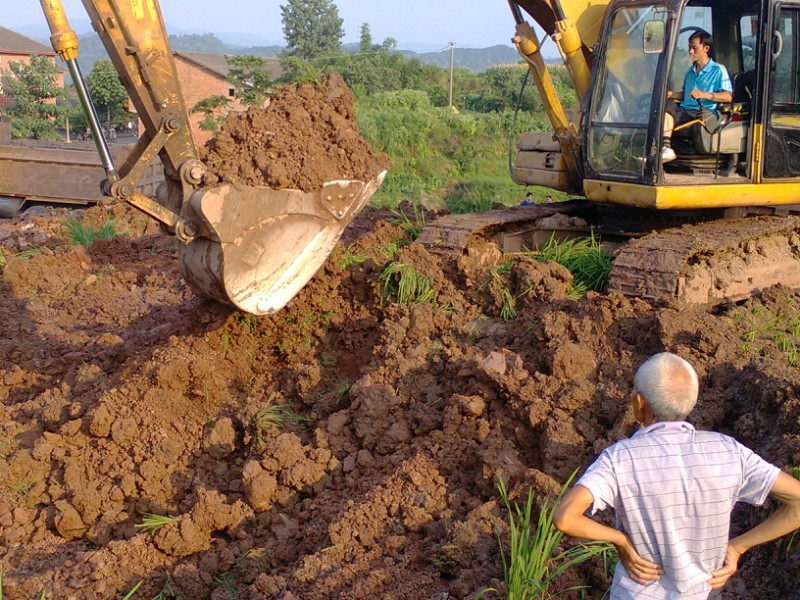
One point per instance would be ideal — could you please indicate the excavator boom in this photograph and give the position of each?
(249, 246)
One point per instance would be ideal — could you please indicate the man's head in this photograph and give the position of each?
(529, 196)
(668, 386)
(700, 46)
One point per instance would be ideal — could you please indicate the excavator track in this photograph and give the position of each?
(512, 229)
(712, 262)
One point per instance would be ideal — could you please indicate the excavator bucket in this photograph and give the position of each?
(257, 247)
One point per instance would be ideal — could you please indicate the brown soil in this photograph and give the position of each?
(305, 136)
(122, 394)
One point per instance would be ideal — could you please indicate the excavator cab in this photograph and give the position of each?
(641, 54)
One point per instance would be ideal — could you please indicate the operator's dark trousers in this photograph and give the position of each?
(681, 116)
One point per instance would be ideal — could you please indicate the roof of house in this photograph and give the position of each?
(12, 42)
(218, 63)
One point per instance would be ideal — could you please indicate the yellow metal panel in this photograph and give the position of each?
(718, 195)
(553, 161)
(587, 16)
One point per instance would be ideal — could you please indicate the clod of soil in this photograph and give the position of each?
(307, 135)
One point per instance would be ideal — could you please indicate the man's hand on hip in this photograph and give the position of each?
(641, 570)
(729, 567)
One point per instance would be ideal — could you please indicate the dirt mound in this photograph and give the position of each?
(305, 136)
(346, 447)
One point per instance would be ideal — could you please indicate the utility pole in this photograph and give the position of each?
(452, 52)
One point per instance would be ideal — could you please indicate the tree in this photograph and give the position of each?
(365, 42)
(312, 28)
(108, 95)
(35, 90)
(251, 81)
(213, 109)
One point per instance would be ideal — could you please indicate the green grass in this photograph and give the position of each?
(151, 523)
(769, 329)
(406, 284)
(589, 264)
(84, 234)
(2, 264)
(412, 228)
(130, 594)
(30, 252)
(534, 558)
(273, 416)
(348, 258)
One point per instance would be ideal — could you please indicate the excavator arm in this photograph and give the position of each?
(251, 247)
(573, 25)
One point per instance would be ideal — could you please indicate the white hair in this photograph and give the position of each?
(668, 385)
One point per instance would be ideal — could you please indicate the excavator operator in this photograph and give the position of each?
(705, 85)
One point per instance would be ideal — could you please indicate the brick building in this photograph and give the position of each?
(203, 75)
(18, 48)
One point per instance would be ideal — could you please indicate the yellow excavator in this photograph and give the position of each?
(736, 185)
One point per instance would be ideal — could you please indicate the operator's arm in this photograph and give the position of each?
(722, 96)
(569, 517)
(678, 96)
(785, 519)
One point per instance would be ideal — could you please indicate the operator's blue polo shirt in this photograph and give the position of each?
(711, 78)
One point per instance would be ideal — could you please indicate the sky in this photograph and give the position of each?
(434, 23)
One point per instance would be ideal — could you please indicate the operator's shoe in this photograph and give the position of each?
(667, 154)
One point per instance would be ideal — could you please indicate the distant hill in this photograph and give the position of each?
(475, 59)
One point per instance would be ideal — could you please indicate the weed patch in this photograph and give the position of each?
(768, 330)
(589, 264)
(84, 234)
(151, 523)
(533, 559)
(402, 281)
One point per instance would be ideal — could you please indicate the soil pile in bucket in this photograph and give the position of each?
(305, 136)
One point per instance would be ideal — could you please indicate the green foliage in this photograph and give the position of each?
(767, 329)
(151, 523)
(250, 79)
(272, 416)
(108, 95)
(2, 259)
(589, 264)
(534, 561)
(35, 91)
(299, 71)
(404, 282)
(84, 234)
(347, 259)
(430, 148)
(213, 111)
(311, 28)
(412, 228)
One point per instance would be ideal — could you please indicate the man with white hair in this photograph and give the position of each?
(672, 490)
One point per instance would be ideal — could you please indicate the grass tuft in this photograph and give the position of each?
(589, 264)
(404, 282)
(151, 523)
(533, 560)
(273, 416)
(412, 228)
(84, 234)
